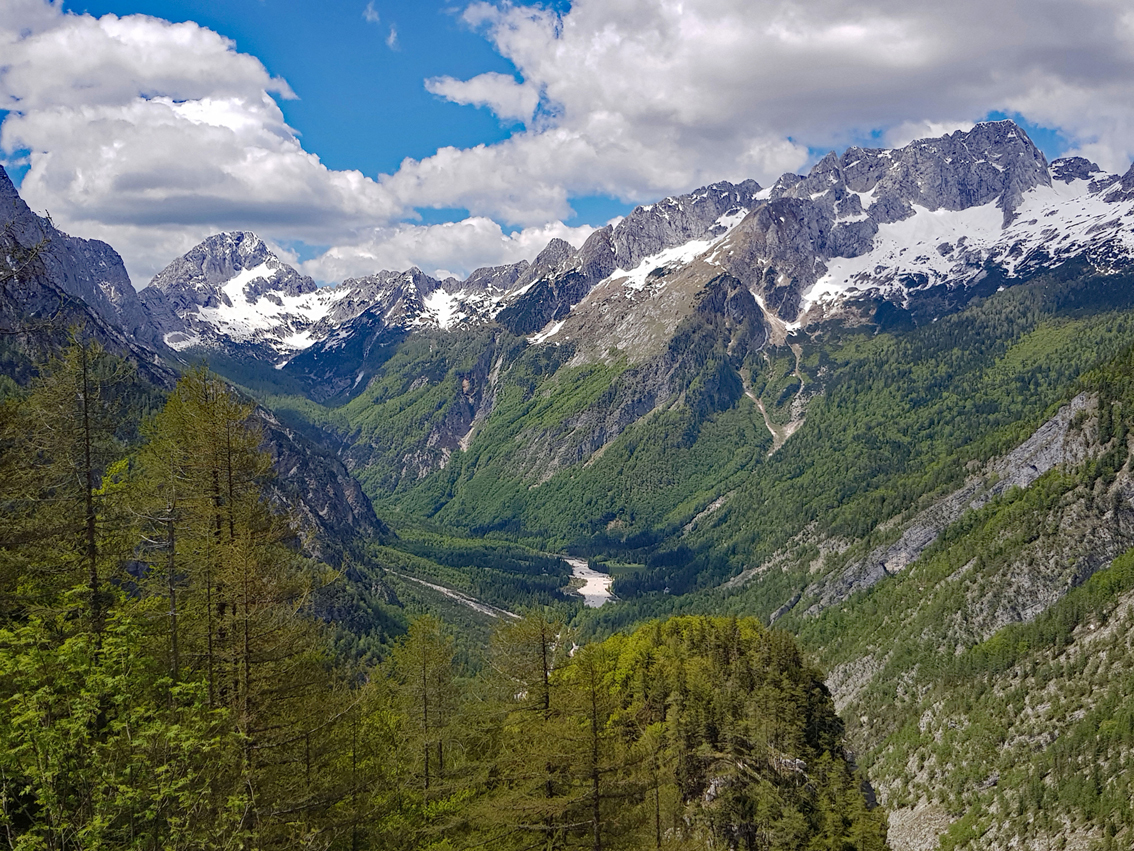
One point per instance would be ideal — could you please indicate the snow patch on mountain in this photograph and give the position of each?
(653, 269)
(547, 333)
(1051, 224)
(284, 319)
(181, 340)
(908, 247)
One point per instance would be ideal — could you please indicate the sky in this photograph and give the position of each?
(360, 135)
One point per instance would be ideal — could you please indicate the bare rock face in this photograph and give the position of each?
(51, 282)
(326, 502)
(560, 277)
(361, 330)
(397, 296)
(490, 278)
(784, 246)
(1124, 191)
(995, 161)
(1051, 445)
(198, 277)
(778, 251)
(1070, 169)
(675, 221)
(229, 289)
(725, 327)
(87, 269)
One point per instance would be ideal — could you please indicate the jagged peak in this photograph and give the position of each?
(223, 258)
(555, 250)
(7, 187)
(1068, 169)
(495, 277)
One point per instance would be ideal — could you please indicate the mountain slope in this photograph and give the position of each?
(884, 405)
(44, 297)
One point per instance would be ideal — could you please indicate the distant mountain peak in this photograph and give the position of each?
(232, 288)
(212, 265)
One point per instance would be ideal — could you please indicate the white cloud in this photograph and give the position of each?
(140, 131)
(392, 38)
(908, 131)
(654, 96)
(454, 248)
(370, 14)
(499, 92)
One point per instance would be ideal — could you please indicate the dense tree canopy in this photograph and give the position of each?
(166, 684)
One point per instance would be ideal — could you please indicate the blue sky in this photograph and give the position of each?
(358, 71)
(360, 103)
(361, 135)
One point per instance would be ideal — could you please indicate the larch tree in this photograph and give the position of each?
(61, 519)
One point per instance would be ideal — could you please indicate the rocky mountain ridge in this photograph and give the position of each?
(51, 281)
(918, 230)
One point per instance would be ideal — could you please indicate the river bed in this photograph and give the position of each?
(596, 586)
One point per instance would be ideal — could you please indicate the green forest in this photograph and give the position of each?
(984, 684)
(170, 678)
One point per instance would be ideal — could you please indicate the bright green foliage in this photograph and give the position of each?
(189, 698)
(751, 733)
(688, 733)
(99, 750)
(1020, 730)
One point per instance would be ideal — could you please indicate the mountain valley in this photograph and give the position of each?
(883, 408)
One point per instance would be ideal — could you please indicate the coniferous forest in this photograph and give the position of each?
(170, 678)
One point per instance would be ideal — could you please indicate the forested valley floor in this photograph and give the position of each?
(169, 678)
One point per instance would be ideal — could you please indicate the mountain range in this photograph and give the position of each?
(882, 405)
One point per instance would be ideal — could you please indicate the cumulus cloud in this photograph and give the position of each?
(652, 96)
(499, 92)
(140, 131)
(151, 134)
(452, 248)
(370, 14)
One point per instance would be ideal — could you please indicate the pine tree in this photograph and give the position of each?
(528, 766)
(58, 441)
(237, 593)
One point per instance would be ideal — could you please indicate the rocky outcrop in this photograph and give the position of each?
(45, 281)
(197, 279)
(361, 331)
(1070, 169)
(784, 246)
(325, 502)
(86, 269)
(553, 290)
(228, 293)
(1124, 191)
(398, 297)
(995, 161)
(500, 278)
(1051, 445)
(699, 367)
